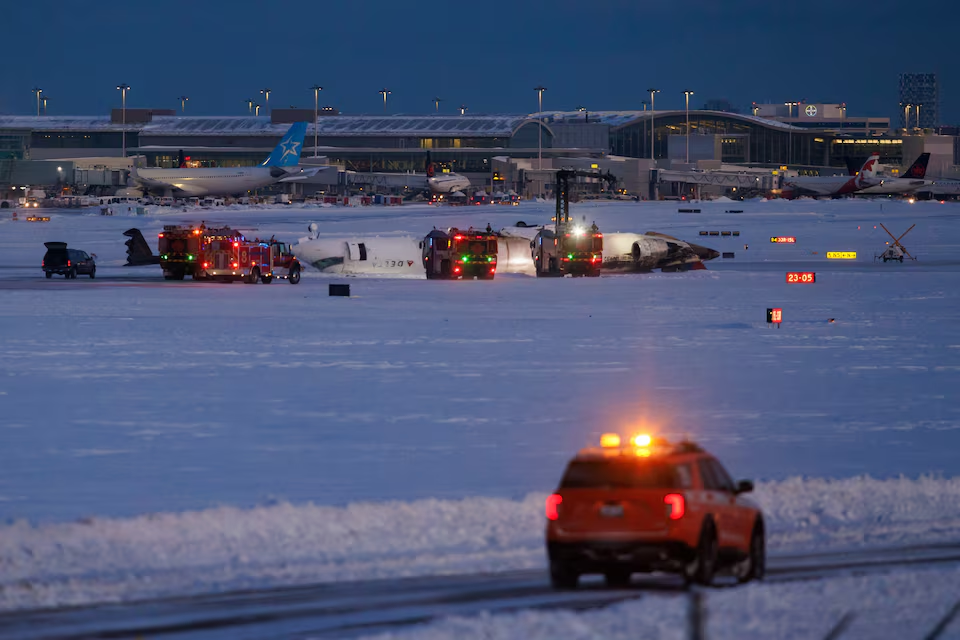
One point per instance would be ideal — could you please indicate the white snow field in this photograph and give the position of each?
(175, 437)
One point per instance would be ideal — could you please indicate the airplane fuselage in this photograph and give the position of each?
(207, 182)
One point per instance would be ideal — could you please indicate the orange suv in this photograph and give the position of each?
(649, 505)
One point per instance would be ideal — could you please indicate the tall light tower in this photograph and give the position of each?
(249, 102)
(256, 108)
(540, 89)
(918, 111)
(463, 109)
(266, 96)
(183, 103)
(44, 98)
(652, 128)
(843, 114)
(906, 117)
(437, 102)
(316, 115)
(384, 92)
(37, 91)
(123, 88)
(687, 94)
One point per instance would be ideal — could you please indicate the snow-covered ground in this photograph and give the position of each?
(162, 437)
(906, 605)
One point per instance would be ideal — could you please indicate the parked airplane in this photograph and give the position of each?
(402, 256)
(280, 166)
(444, 183)
(833, 185)
(911, 180)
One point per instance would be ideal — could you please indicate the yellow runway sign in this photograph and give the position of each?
(841, 255)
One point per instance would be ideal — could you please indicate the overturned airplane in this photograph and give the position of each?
(402, 256)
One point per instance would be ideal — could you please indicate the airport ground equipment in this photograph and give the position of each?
(570, 248)
(456, 254)
(214, 253)
(896, 251)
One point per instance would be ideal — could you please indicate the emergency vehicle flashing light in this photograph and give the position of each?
(610, 440)
(642, 440)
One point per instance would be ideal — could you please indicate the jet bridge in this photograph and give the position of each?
(747, 182)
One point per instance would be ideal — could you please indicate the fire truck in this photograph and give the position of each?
(571, 247)
(456, 254)
(207, 253)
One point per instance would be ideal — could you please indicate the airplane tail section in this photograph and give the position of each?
(181, 160)
(918, 170)
(287, 153)
(853, 165)
(138, 251)
(867, 175)
(869, 168)
(429, 166)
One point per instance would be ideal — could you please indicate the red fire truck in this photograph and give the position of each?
(224, 254)
(456, 254)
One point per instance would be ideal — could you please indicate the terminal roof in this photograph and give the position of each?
(618, 119)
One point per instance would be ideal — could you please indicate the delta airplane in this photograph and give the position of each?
(402, 256)
(833, 185)
(280, 166)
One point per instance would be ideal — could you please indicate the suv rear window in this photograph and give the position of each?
(619, 474)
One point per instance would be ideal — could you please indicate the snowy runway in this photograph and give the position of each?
(127, 395)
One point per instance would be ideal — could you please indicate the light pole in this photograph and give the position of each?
(266, 95)
(44, 98)
(437, 102)
(906, 117)
(463, 109)
(755, 109)
(256, 108)
(384, 92)
(540, 89)
(38, 91)
(843, 114)
(790, 106)
(123, 88)
(316, 115)
(918, 111)
(653, 130)
(183, 103)
(687, 94)
(249, 104)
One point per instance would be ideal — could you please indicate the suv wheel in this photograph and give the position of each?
(49, 274)
(561, 577)
(704, 565)
(72, 274)
(755, 566)
(93, 273)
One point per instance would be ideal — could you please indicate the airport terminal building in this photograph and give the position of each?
(52, 149)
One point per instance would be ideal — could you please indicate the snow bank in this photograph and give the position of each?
(102, 560)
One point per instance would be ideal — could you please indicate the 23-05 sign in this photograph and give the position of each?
(801, 277)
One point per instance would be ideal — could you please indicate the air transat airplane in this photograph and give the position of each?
(833, 185)
(280, 166)
(403, 256)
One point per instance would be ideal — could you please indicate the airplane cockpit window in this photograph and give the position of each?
(363, 251)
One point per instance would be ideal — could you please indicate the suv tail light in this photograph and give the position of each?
(553, 504)
(68, 263)
(676, 505)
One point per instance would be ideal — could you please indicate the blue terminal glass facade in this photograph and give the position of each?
(749, 140)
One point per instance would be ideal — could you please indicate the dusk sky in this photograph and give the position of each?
(486, 55)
